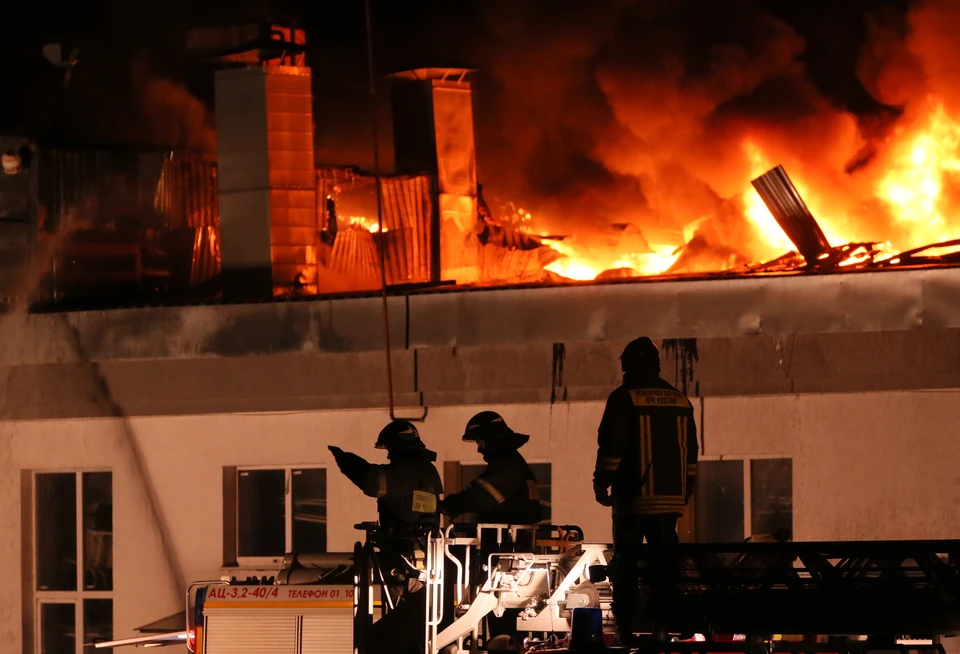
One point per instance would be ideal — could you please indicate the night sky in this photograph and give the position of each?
(418, 31)
(104, 101)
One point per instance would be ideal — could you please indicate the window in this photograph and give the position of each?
(269, 512)
(771, 496)
(718, 502)
(540, 470)
(722, 509)
(73, 560)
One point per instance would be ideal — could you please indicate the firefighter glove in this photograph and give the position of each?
(338, 455)
(603, 496)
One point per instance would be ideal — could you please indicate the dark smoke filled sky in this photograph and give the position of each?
(608, 109)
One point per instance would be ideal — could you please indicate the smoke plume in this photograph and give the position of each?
(172, 115)
(114, 100)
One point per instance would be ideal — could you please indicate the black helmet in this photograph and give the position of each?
(640, 355)
(490, 427)
(398, 436)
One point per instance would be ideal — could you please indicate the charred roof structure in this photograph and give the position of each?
(260, 220)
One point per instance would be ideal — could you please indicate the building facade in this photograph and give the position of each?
(141, 449)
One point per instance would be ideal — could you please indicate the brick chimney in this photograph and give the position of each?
(267, 179)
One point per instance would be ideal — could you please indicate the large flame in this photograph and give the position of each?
(580, 265)
(362, 222)
(911, 180)
(923, 163)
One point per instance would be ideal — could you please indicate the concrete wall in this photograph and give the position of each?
(851, 378)
(866, 466)
(66, 386)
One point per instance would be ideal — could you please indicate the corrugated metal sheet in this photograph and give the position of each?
(102, 196)
(355, 256)
(408, 208)
(513, 265)
(80, 185)
(791, 213)
(249, 633)
(505, 254)
(329, 632)
(205, 263)
(186, 193)
(433, 128)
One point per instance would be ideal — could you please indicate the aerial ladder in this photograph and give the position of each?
(752, 597)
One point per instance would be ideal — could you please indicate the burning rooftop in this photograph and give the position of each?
(261, 219)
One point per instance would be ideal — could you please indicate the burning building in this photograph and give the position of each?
(144, 447)
(282, 226)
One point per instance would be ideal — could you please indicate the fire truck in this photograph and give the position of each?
(752, 597)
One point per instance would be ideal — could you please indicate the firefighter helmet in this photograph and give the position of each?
(399, 435)
(641, 355)
(491, 428)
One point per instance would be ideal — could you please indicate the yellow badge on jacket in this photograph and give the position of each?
(424, 502)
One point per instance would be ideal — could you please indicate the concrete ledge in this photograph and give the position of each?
(493, 375)
(852, 303)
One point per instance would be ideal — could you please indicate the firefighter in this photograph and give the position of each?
(506, 491)
(647, 452)
(408, 488)
(408, 491)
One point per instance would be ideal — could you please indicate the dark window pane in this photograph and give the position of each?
(718, 502)
(57, 531)
(771, 496)
(310, 510)
(261, 513)
(97, 530)
(97, 621)
(58, 628)
(543, 474)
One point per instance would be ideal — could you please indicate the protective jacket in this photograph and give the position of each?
(647, 448)
(504, 493)
(408, 488)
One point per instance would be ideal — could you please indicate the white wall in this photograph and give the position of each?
(866, 466)
(143, 590)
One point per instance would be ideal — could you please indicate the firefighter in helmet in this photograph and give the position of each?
(408, 491)
(408, 488)
(647, 454)
(506, 491)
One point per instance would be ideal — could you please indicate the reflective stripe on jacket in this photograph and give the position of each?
(647, 448)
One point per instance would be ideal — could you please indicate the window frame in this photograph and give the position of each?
(748, 487)
(271, 562)
(75, 597)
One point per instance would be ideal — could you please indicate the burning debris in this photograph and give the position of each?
(614, 186)
(786, 207)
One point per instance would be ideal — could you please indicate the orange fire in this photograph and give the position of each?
(584, 264)
(916, 180)
(363, 223)
(923, 162)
